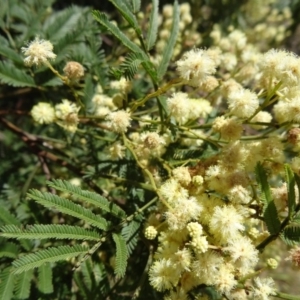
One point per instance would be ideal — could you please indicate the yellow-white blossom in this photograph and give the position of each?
(43, 113)
(38, 52)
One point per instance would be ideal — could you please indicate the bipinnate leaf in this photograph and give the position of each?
(113, 29)
(11, 54)
(45, 275)
(67, 207)
(7, 282)
(127, 14)
(13, 76)
(121, 255)
(7, 217)
(37, 259)
(88, 197)
(129, 67)
(168, 51)
(153, 26)
(270, 211)
(291, 235)
(290, 179)
(23, 283)
(54, 231)
(130, 233)
(59, 24)
(9, 249)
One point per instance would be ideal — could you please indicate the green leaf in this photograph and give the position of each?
(37, 259)
(13, 76)
(67, 207)
(270, 211)
(59, 24)
(7, 282)
(291, 235)
(127, 15)
(7, 217)
(113, 29)
(291, 189)
(9, 250)
(22, 287)
(136, 5)
(45, 279)
(88, 197)
(130, 65)
(167, 54)
(121, 255)
(153, 26)
(11, 54)
(54, 231)
(87, 272)
(130, 233)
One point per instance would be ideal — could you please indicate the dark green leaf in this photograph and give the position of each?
(10, 75)
(270, 211)
(37, 259)
(291, 234)
(121, 255)
(291, 189)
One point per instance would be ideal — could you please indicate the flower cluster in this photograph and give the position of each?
(200, 143)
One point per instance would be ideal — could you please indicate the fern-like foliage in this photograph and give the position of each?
(35, 260)
(130, 233)
(127, 14)
(58, 25)
(45, 275)
(7, 282)
(291, 235)
(66, 206)
(7, 218)
(270, 211)
(9, 249)
(88, 197)
(49, 232)
(10, 54)
(103, 20)
(129, 66)
(10, 75)
(121, 255)
(22, 287)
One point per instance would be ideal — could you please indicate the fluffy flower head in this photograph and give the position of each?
(119, 120)
(43, 113)
(195, 66)
(242, 103)
(226, 223)
(38, 52)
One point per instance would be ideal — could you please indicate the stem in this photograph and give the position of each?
(66, 81)
(148, 173)
(286, 296)
(158, 92)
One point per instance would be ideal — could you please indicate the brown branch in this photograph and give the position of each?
(37, 145)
